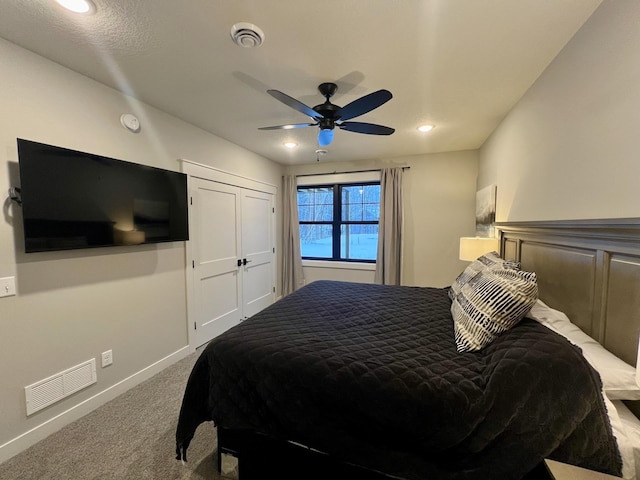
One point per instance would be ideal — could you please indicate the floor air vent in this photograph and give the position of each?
(53, 389)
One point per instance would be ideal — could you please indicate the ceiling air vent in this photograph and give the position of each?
(247, 35)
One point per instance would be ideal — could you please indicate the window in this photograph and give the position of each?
(339, 222)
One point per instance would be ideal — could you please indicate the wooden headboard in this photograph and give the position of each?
(588, 269)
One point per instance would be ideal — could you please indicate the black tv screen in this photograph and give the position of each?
(74, 200)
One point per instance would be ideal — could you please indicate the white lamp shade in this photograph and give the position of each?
(473, 247)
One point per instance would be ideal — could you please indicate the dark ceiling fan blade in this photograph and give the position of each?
(325, 137)
(364, 104)
(293, 103)
(370, 128)
(288, 127)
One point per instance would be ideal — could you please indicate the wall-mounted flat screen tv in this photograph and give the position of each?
(73, 200)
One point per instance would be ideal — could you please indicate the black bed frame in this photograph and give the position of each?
(260, 457)
(593, 260)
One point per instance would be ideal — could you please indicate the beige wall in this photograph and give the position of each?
(570, 148)
(343, 272)
(71, 306)
(439, 204)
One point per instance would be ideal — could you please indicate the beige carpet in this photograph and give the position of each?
(130, 437)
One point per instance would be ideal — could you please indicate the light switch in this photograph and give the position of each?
(7, 286)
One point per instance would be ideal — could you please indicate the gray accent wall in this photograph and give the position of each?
(570, 149)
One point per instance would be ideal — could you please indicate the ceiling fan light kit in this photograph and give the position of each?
(325, 137)
(327, 115)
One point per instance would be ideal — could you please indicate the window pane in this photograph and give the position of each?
(316, 241)
(360, 202)
(371, 212)
(352, 193)
(352, 213)
(371, 194)
(305, 197)
(359, 242)
(323, 213)
(305, 213)
(315, 213)
(315, 204)
(324, 195)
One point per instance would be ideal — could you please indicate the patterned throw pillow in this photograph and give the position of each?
(488, 260)
(491, 303)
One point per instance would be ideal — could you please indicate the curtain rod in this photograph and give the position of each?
(351, 171)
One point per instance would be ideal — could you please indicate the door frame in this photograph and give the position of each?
(206, 172)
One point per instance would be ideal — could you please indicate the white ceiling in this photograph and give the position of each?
(459, 64)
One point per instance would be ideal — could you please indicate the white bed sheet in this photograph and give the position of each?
(625, 442)
(630, 425)
(618, 382)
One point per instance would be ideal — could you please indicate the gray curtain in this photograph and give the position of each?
(389, 259)
(292, 275)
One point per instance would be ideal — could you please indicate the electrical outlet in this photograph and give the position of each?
(107, 358)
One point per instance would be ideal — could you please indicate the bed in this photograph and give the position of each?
(369, 381)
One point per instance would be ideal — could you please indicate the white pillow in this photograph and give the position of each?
(618, 377)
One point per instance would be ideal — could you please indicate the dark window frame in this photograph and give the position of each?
(337, 221)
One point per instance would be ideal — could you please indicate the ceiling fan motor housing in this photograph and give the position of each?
(327, 124)
(328, 110)
(328, 116)
(327, 89)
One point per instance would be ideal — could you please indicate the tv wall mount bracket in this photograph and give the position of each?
(15, 195)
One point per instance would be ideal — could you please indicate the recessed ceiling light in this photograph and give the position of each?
(425, 128)
(78, 6)
(290, 144)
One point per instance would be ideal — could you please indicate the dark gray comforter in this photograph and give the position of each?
(370, 374)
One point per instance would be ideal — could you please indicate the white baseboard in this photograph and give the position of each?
(31, 437)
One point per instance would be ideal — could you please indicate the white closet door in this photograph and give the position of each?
(257, 248)
(217, 295)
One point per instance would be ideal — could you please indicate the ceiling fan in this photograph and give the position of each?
(327, 116)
